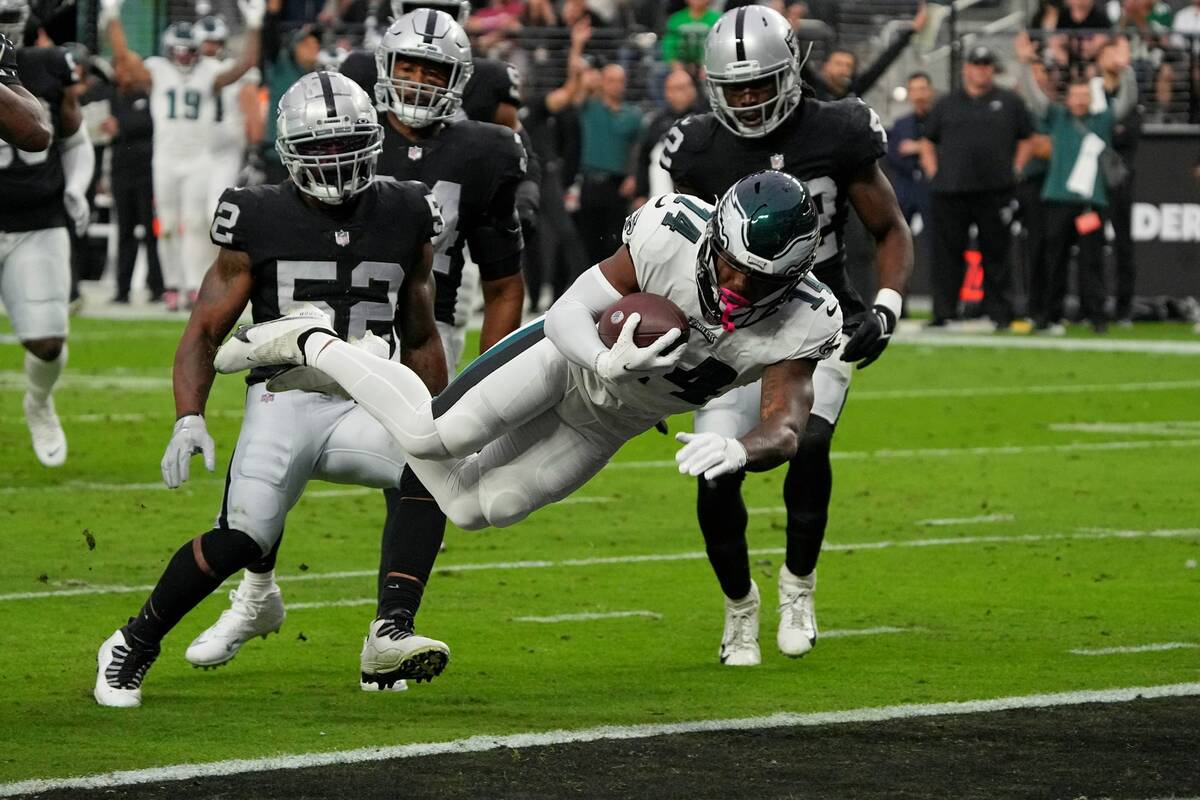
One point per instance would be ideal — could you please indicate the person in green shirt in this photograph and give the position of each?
(1074, 194)
(683, 42)
(284, 65)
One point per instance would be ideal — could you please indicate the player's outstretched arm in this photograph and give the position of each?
(787, 396)
(420, 345)
(873, 198)
(253, 12)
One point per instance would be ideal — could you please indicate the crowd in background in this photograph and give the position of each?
(582, 61)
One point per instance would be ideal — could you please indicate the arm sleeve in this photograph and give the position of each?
(78, 161)
(863, 83)
(1126, 97)
(1039, 104)
(571, 321)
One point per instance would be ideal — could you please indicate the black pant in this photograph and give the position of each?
(561, 252)
(952, 217)
(1050, 280)
(602, 212)
(1033, 221)
(133, 202)
(1120, 208)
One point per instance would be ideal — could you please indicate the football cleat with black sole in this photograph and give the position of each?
(393, 654)
(120, 669)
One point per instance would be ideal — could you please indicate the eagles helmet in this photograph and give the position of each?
(329, 136)
(431, 38)
(212, 30)
(180, 44)
(752, 47)
(767, 228)
(14, 14)
(459, 9)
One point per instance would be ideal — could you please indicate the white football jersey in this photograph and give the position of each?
(182, 105)
(229, 122)
(663, 238)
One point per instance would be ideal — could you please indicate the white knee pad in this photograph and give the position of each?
(504, 502)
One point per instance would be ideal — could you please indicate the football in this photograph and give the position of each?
(659, 315)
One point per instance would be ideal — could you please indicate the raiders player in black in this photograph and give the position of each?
(40, 194)
(762, 118)
(21, 122)
(336, 243)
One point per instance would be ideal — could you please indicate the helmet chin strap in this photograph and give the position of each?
(731, 303)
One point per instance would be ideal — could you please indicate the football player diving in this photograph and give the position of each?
(763, 117)
(535, 417)
(360, 248)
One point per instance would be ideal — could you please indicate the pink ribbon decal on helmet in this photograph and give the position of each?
(731, 303)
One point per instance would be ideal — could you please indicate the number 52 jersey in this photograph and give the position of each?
(663, 238)
(351, 266)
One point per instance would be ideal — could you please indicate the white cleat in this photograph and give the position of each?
(797, 617)
(392, 653)
(247, 616)
(739, 643)
(119, 672)
(311, 379)
(49, 441)
(271, 343)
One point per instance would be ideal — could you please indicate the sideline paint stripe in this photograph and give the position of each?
(1003, 391)
(590, 616)
(982, 519)
(1086, 534)
(483, 743)
(350, 603)
(1145, 648)
(1138, 346)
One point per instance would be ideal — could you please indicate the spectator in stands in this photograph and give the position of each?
(904, 151)
(681, 99)
(283, 66)
(1045, 17)
(574, 11)
(1074, 193)
(683, 42)
(493, 24)
(131, 181)
(838, 76)
(976, 143)
(610, 130)
(1187, 19)
(539, 14)
(1111, 62)
(1148, 24)
(1082, 15)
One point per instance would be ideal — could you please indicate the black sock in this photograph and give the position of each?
(806, 492)
(267, 562)
(723, 519)
(192, 574)
(412, 537)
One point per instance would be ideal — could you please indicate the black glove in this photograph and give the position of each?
(869, 332)
(8, 61)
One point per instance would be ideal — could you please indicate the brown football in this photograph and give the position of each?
(659, 315)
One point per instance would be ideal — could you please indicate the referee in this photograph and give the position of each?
(977, 139)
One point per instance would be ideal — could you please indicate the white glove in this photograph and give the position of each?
(253, 12)
(709, 454)
(190, 437)
(78, 210)
(625, 361)
(110, 9)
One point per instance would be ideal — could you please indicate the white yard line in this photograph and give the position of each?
(1106, 345)
(11, 380)
(1144, 648)
(350, 603)
(590, 616)
(1004, 391)
(486, 742)
(1082, 534)
(1174, 428)
(982, 519)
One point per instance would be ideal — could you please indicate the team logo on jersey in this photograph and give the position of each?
(777, 161)
(342, 238)
(415, 153)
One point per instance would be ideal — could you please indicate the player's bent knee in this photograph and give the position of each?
(818, 436)
(504, 505)
(46, 349)
(225, 551)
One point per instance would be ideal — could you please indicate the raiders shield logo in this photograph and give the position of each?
(777, 161)
(415, 153)
(342, 238)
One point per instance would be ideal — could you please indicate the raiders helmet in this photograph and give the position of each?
(432, 38)
(14, 14)
(180, 45)
(459, 9)
(329, 136)
(766, 227)
(752, 45)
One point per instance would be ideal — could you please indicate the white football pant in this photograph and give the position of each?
(35, 282)
(180, 203)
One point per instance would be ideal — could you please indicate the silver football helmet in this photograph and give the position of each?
(14, 14)
(459, 9)
(431, 39)
(752, 48)
(766, 227)
(180, 45)
(329, 136)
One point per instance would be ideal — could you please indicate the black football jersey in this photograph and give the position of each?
(473, 169)
(31, 184)
(493, 82)
(822, 143)
(350, 264)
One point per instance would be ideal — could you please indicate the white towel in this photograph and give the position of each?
(1099, 98)
(1082, 180)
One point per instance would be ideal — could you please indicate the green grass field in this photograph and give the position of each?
(1051, 461)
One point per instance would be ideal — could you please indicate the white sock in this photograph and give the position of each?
(258, 582)
(41, 375)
